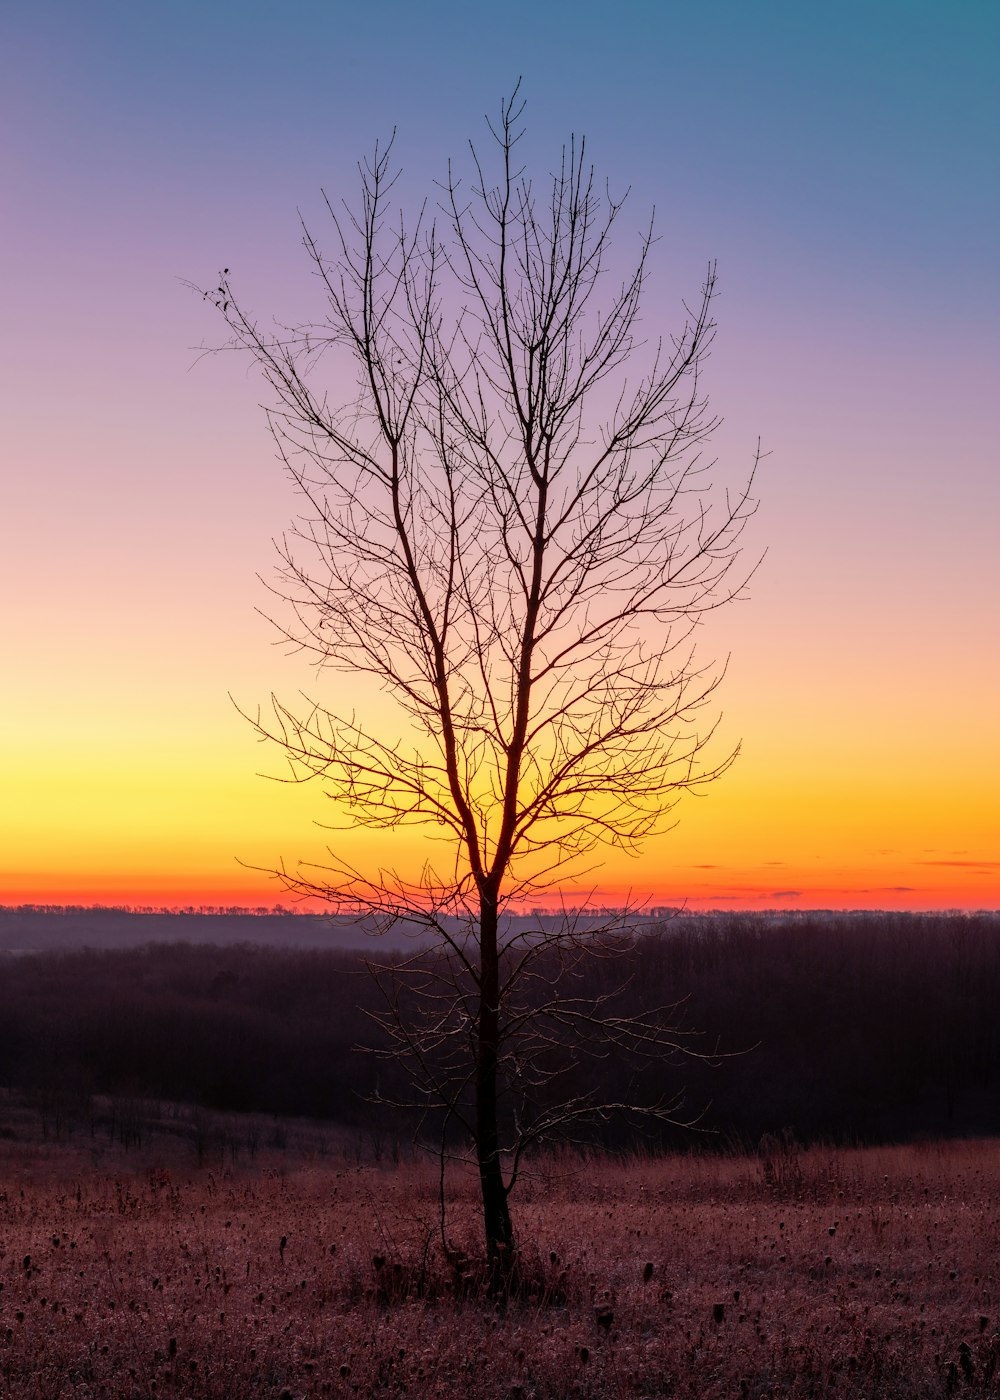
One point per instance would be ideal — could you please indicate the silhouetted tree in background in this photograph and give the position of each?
(516, 542)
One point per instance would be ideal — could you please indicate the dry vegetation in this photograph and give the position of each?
(304, 1272)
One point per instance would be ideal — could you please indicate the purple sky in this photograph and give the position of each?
(840, 162)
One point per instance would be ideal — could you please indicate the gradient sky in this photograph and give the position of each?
(840, 162)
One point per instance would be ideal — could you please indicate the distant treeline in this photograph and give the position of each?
(74, 911)
(30, 928)
(873, 1027)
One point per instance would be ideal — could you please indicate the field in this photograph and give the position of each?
(309, 1271)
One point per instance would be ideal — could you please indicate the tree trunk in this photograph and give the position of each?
(496, 1212)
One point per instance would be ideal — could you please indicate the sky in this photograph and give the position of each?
(839, 163)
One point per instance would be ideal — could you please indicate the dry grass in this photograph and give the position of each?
(824, 1272)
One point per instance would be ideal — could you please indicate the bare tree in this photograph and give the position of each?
(517, 542)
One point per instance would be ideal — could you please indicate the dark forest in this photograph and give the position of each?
(828, 1027)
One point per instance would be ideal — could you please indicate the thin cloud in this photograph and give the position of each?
(786, 894)
(965, 864)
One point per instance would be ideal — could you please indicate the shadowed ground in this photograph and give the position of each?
(784, 1273)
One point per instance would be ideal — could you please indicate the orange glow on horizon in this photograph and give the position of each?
(116, 822)
(930, 885)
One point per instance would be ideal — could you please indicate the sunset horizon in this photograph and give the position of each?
(837, 181)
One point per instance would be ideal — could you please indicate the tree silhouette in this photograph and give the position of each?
(516, 542)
